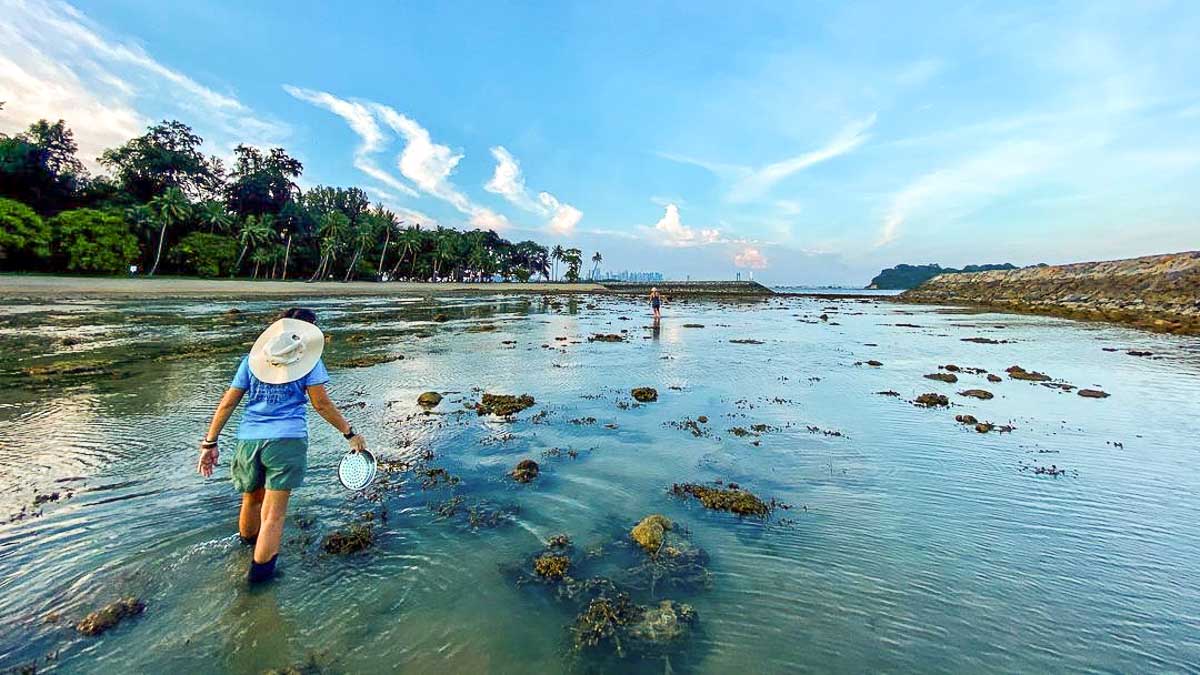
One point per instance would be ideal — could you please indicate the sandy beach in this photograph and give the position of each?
(64, 287)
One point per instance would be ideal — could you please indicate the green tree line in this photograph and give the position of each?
(169, 209)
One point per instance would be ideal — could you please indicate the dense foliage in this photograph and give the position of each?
(168, 208)
(903, 277)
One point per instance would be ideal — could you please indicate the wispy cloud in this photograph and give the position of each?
(749, 183)
(508, 182)
(959, 189)
(362, 122)
(57, 64)
(429, 166)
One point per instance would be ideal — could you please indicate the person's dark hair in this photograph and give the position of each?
(299, 313)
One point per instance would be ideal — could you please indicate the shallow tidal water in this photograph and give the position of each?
(909, 542)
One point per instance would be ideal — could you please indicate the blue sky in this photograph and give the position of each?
(809, 142)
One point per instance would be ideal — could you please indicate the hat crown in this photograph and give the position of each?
(285, 349)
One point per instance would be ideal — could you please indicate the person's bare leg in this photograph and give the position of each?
(274, 512)
(248, 519)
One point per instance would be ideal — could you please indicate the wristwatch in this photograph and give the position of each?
(350, 434)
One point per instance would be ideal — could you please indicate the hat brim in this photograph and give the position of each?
(310, 336)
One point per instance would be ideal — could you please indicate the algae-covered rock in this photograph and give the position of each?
(526, 470)
(931, 400)
(734, 500)
(105, 618)
(429, 399)
(966, 419)
(665, 622)
(603, 619)
(354, 538)
(503, 405)
(648, 533)
(551, 566)
(992, 377)
(1019, 373)
(943, 377)
(645, 394)
(367, 360)
(1093, 393)
(606, 337)
(981, 394)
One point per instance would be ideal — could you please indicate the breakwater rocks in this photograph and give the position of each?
(1159, 292)
(690, 287)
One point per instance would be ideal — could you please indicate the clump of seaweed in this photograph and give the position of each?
(503, 405)
(607, 337)
(551, 566)
(732, 499)
(101, 620)
(354, 538)
(644, 394)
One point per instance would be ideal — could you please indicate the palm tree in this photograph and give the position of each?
(364, 233)
(389, 223)
(556, 254)
(256, 230)
(443, 248)
(409, 240)
(331, 230)
(214, 214)
(167, 209)
(596, 260)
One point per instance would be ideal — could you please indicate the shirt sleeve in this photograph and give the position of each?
(318, 375)
(241, 379)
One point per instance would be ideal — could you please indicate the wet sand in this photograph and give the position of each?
(62, 287)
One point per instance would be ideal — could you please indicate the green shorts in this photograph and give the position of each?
(276, 463)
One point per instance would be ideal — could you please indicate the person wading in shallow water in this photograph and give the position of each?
(272, 441)
(656, 303)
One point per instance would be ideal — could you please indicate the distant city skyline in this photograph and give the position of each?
(808, 143)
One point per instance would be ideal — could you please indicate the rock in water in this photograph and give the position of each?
(429, 399)
(503, 405)
(981, 394)
(943, 377)
(526, 470)
(103, 619)
(645, 394)
(729, 499)
(992, 377)
(665, 622)
(931, 400)
(1019, 373)
(1093, 393)
(649, 532)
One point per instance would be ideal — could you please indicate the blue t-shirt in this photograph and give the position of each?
(275, 410)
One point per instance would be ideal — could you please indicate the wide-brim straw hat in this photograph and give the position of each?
(286, 351)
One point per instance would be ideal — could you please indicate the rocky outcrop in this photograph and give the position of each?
(1159, 292)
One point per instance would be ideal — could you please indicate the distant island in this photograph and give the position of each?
(904, 277)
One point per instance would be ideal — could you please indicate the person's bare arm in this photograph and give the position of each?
(208, 447)
(326, 409)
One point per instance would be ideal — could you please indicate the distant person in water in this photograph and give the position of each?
(656, 303)
(283, 366)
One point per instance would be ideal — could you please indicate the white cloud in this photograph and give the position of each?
(429, 166)
(670, 231)
(508, 182)
(748, 184)
(362, 122)
(57, 64)
(750, 258)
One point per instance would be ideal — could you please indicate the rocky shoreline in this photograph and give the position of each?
(1159, 293)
